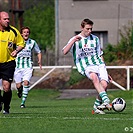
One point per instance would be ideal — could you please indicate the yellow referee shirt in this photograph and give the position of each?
(9, 39)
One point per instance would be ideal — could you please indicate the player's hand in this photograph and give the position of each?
(110, 78)
(77, 38)
(40, 65)
(14, 53)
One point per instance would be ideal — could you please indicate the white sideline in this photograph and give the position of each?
(69, 118)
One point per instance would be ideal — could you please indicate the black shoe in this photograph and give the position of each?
(5, 111)
(22, 106)
(20, 92)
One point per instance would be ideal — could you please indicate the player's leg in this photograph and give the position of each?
(99, 87)
(7, 78)
(7, 95)
(24, 93)
(18, 80)
(103, 77)
(102, 93)
(97, 103)
(20, 89)
(1, 97)
(98, 98)
(1, 101)
(26, 84)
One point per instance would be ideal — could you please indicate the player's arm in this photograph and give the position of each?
(14, 53)
(39, 55)
(102, 57)
(110, 78)
(67, 48)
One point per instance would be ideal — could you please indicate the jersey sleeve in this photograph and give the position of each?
(99, 49)
(36, 48)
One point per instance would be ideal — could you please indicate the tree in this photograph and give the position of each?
(40, 18)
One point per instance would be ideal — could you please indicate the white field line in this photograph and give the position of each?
(68, 118)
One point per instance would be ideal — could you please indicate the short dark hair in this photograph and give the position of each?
(85, 22)
(24, 28)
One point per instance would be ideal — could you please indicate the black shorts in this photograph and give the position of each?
(7, 70)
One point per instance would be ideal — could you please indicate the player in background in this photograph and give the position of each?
(88, 59)
(24, 65)
(10, 37)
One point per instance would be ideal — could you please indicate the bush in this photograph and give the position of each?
(124, 49)
(75, 77)
(110, 54)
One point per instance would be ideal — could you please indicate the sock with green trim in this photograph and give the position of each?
(97, 103)
(24, 94)
(104, 97)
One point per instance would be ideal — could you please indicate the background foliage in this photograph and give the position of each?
(39, 15)
(124, 49)
(40, 19)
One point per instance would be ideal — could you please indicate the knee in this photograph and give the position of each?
(26, 83)
(94, 77)
(6, 86)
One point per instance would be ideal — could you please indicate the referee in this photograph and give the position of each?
(11, 42)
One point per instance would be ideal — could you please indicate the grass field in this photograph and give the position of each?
(44, 113)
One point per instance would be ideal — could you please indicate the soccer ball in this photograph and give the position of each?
(118, 104)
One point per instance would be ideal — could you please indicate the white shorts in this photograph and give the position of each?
(22, 74)
(100, 70)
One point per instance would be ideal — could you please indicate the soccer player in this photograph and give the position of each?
(87, 55)
(10, 37)
(24, 65)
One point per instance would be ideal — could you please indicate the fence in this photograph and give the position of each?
(73, 67)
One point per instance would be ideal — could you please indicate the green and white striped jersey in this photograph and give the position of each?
(86, 52)
(24, 57)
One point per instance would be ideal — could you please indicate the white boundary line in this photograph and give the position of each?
(70, 118)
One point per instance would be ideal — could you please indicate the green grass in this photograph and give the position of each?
(44, 113)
